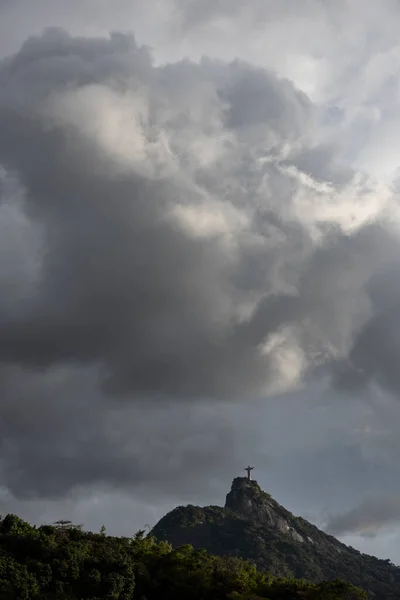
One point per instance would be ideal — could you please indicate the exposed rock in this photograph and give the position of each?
(296, 536)
(248, 499)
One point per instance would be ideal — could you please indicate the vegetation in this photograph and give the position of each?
(64, 562)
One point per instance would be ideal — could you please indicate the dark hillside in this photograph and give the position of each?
(66, 563)
(253, 526)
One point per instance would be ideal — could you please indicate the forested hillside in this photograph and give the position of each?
(65, 563)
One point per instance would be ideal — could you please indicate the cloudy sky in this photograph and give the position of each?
(200, 259)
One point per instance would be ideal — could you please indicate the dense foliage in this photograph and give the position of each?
(65, 563)
(315, 557)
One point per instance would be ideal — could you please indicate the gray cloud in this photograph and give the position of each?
(367, 518)
(373, 356)
(111, 292)
(196, 13)
(170, 242)
(120, 284)
(58, 434)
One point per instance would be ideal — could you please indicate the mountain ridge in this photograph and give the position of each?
(254, 526)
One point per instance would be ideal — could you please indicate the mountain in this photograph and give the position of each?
(253, 526)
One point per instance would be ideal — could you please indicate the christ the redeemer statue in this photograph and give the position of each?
(249, 470)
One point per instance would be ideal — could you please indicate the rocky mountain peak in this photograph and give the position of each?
(248, 499)
(245, 493)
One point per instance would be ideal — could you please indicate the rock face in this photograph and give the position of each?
(252, 525)
(247, 498)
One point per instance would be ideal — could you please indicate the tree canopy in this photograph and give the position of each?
(66, 563)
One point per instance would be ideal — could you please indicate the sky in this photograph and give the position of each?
(199, 260)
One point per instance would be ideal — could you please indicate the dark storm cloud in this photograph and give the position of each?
(156, 254)
(373, 356)
(120, 285)
(367, 518)
(110, 293)
(58, 434)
